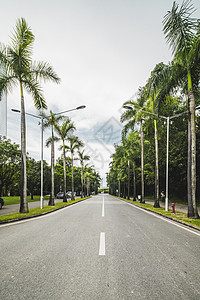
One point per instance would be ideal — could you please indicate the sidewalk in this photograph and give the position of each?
(9, 209)
(178, 207)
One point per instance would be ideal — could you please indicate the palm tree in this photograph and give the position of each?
(74, 144)
(19, 69)
(134, 116)
(63, 131)
(82, 158)
(182, 34)
(51, 121)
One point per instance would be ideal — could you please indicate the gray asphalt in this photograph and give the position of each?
(57, 256)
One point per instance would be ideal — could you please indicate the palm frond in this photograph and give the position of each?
(43, 70)
(179, 26)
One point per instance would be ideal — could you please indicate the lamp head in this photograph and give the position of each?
(81, 107)
(127, 107)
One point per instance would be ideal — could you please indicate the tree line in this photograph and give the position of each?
(171, 94)
(85, 179)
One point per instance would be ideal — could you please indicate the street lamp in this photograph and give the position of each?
(41, 119)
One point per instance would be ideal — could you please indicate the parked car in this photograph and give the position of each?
(1, 203)
(69, 194)
(60, 195)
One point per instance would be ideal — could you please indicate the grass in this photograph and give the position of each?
(37, 211)
(16, 199)
(181, 216)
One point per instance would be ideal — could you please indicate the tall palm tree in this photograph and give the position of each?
(74, 144)
(182, 35)
(134, 116)
(82, 158)
(51, 121)
(66, 128)
(19, 69)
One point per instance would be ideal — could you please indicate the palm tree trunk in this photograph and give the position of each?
(156, 203)
(134, 183)
(82, 179)
(51, 200)
(64, 173)
(23, 196)
(191, 100)
(189, 185)
(142, 165)
(128, 180)
(119, 188)
(72, 158)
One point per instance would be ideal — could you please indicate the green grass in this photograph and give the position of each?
(16, 199)
(37, 211)
(181, 216)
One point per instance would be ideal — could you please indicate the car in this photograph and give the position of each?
(1, 203)
(60, 195)
(69, 194)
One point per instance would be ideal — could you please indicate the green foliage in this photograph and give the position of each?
(10, 156)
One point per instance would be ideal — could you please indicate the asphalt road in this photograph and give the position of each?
(101, 248)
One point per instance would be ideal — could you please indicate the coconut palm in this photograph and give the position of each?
(66, 128)
(19, 69)
(74, 144)
(82, 158)
(51, 121)
(182, 35)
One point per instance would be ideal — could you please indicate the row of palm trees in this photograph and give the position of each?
(64, 132)
(179, 77)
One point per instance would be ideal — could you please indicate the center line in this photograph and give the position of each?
(102, 244)
(103, 208)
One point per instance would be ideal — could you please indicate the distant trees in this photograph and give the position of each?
(10, 156)
(10, 165)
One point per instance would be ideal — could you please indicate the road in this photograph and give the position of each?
(99, 249)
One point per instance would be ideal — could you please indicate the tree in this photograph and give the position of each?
(182, 34)
(9, 164)
(74, 144)
(82, 158)
(135, 116)
(63, 131)
(19, 69)
(51, 121)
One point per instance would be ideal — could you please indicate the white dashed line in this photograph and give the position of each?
(103, 208)
(102, 250)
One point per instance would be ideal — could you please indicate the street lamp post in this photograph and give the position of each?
(41, 120)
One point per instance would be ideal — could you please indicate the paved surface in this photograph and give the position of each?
(99, 249)
(178, 207)
(9, 209)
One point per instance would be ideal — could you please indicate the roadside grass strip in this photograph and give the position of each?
(178, 215)
(38, 211)
(16, 199)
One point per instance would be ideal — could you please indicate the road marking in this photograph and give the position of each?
(102, 250)
(103, 208)
(165, 219)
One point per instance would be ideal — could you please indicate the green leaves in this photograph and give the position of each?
(18, 67)
(179, 26)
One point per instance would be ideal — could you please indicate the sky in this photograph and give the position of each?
(103, 51)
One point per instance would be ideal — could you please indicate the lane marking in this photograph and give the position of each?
(102, 250)
(164, 219)
(103, 208)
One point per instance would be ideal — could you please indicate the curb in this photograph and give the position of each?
(39, 215)
(167, 217)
